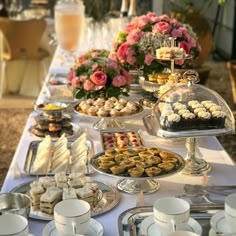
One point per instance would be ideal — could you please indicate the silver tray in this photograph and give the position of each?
(123, 131)
(31, 155)
(109, 198)
(154, 129)
(129, 221)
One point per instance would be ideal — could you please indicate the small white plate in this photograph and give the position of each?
(218, 222)
(95, 229)
(212, 232)
(150, 228)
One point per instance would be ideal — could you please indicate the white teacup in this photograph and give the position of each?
(230, 212)
(183, 233)
(171, 214)
(14, 225)
(72, 217)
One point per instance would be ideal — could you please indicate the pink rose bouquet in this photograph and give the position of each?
(135, 47)
(99, 77)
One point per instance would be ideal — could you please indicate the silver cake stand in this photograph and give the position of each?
(134, 185)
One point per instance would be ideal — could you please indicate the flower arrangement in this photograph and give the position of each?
(99, 77)
(135, 47)
(90, 55)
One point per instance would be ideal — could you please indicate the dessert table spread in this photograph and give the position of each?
(223, 170)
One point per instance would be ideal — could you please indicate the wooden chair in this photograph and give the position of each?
(231, 66)
(21, 43)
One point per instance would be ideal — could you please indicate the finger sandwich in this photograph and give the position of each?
(49, 199)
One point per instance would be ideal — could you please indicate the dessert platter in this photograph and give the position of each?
(48, 156)
(138, 167)
(101, 196)
(54, 124)
(121, 139)
(189, 111)
(110, 112)
(138, 221)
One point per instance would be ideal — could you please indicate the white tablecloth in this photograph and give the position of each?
(223, 169)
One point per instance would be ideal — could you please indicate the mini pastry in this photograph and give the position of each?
(152, 171)
(136, 171)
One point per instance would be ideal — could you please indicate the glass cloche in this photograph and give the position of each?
(190, 110)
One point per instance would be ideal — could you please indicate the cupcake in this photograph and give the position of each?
(199, 109)
(102, 113)
(204, 120)
(215, 108)
(189, 120)
(90, 101)
(126, 111)
(92, 111)
(173, 122)
(178, 106)
(114, 112)
(108, 107)
(195, 106)
(218, 118)
(123, 101)
(182, 111)
(192, 102)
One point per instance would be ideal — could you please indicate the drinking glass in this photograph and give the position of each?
(69, 22)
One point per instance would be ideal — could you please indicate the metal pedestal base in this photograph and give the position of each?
(194, 166)
(135, 186)
(109, 123)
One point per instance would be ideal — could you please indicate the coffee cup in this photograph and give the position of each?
(183, 233)
(72, 217)
(230, 212)
(171, 214)
(14, 225)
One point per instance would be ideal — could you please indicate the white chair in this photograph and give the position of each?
(24, 64)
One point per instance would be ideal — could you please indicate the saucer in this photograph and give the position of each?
(150, 228)
(212, 233)
(95, 229)
(218, 222)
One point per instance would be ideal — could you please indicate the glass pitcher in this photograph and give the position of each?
(69, 23)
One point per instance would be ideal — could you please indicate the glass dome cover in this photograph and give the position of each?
(189, 110)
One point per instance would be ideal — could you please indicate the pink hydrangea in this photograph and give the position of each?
(185, 46)
(71, 75)
(88, 85)
(176, 33)
(134, 37)
(127, 76)
(119, 81)
(122, 50)
(99, 78)
(148, 59)
(162, 27)
(76, 82)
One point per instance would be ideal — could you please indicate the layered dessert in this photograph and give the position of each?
(168, 53)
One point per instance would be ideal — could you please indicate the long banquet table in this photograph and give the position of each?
(223, 168)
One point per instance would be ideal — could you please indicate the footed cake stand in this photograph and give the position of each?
(134, 185)
(108, 122)
(194, 165)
